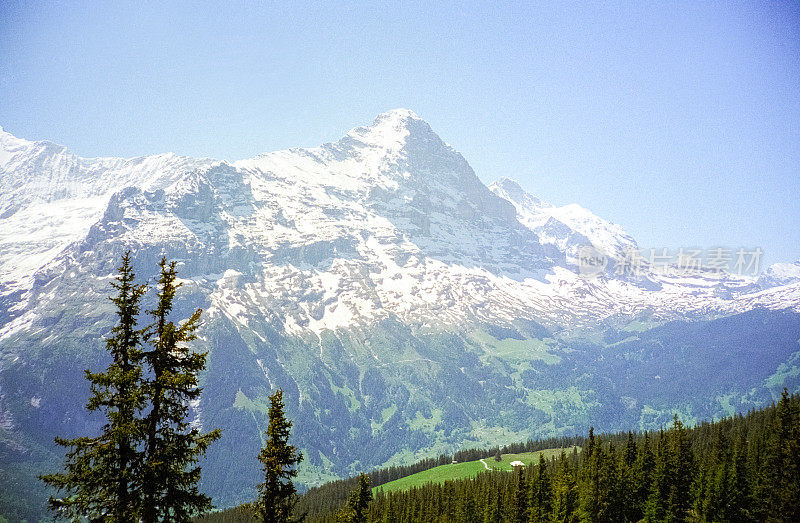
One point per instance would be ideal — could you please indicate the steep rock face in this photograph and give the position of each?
(397, 178)
(568, 228)
(403, 306)
(49, 198)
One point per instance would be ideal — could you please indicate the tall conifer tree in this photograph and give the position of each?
(590, 477)
(740, 508)
(682, 473)
(660, 484)
(172, 445)
(521, 498)
(357, 503)
(540, 505)
(467, 509)
(277, 495)
(100, 478)
(782, 477)
(609, 506)
(645, 465)
(565, 492)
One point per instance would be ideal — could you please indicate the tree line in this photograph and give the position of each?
(739, 469)
(742, 468)
(329, 496)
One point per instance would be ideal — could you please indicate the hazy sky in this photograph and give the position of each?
(679, 121)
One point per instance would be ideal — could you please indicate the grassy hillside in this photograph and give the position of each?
(468, 469)
(736, 469)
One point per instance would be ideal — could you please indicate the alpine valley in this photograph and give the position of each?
(405, 308)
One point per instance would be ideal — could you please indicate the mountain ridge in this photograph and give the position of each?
(403, 305)
(386, 161)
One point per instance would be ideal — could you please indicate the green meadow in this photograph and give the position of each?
(466, 469)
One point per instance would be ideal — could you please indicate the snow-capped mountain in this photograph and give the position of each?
(403, 306)
(779, 274)
(387, 222)
(569, 227)
(49, 198)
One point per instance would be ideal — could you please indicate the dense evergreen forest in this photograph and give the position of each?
(742, 468)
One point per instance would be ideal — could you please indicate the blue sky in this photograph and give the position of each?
(680, 121)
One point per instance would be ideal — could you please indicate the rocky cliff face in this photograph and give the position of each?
(403, 306)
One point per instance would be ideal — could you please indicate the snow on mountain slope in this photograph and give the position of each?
(399, 171)
(569, 227)
(49, 198)
(694, 294)
(388, 222)
(780, 274)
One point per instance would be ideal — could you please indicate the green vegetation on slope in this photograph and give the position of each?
(467, 469)
(741, 468)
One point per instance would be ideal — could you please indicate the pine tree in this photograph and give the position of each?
(172, 444)
(609, 505)
(101, 472)
(591, 445)
(682, 473)
(539, 504)
(660, 484)
(277, 495)
(390, 514)
(782, 477)
(493, 511)
(644, 467)
(740, 504)
(565, 493)
(590, 475)
(630, 476)
(357, 503)
(521, 498)
(467, 510)
(714, 477)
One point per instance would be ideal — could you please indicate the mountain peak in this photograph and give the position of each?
(512, 191)
(7, 137)
(568, 227)
(396, 116)
(15, 150)
(390, 130)
(509, 187)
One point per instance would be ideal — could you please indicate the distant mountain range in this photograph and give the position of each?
(404, 307)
